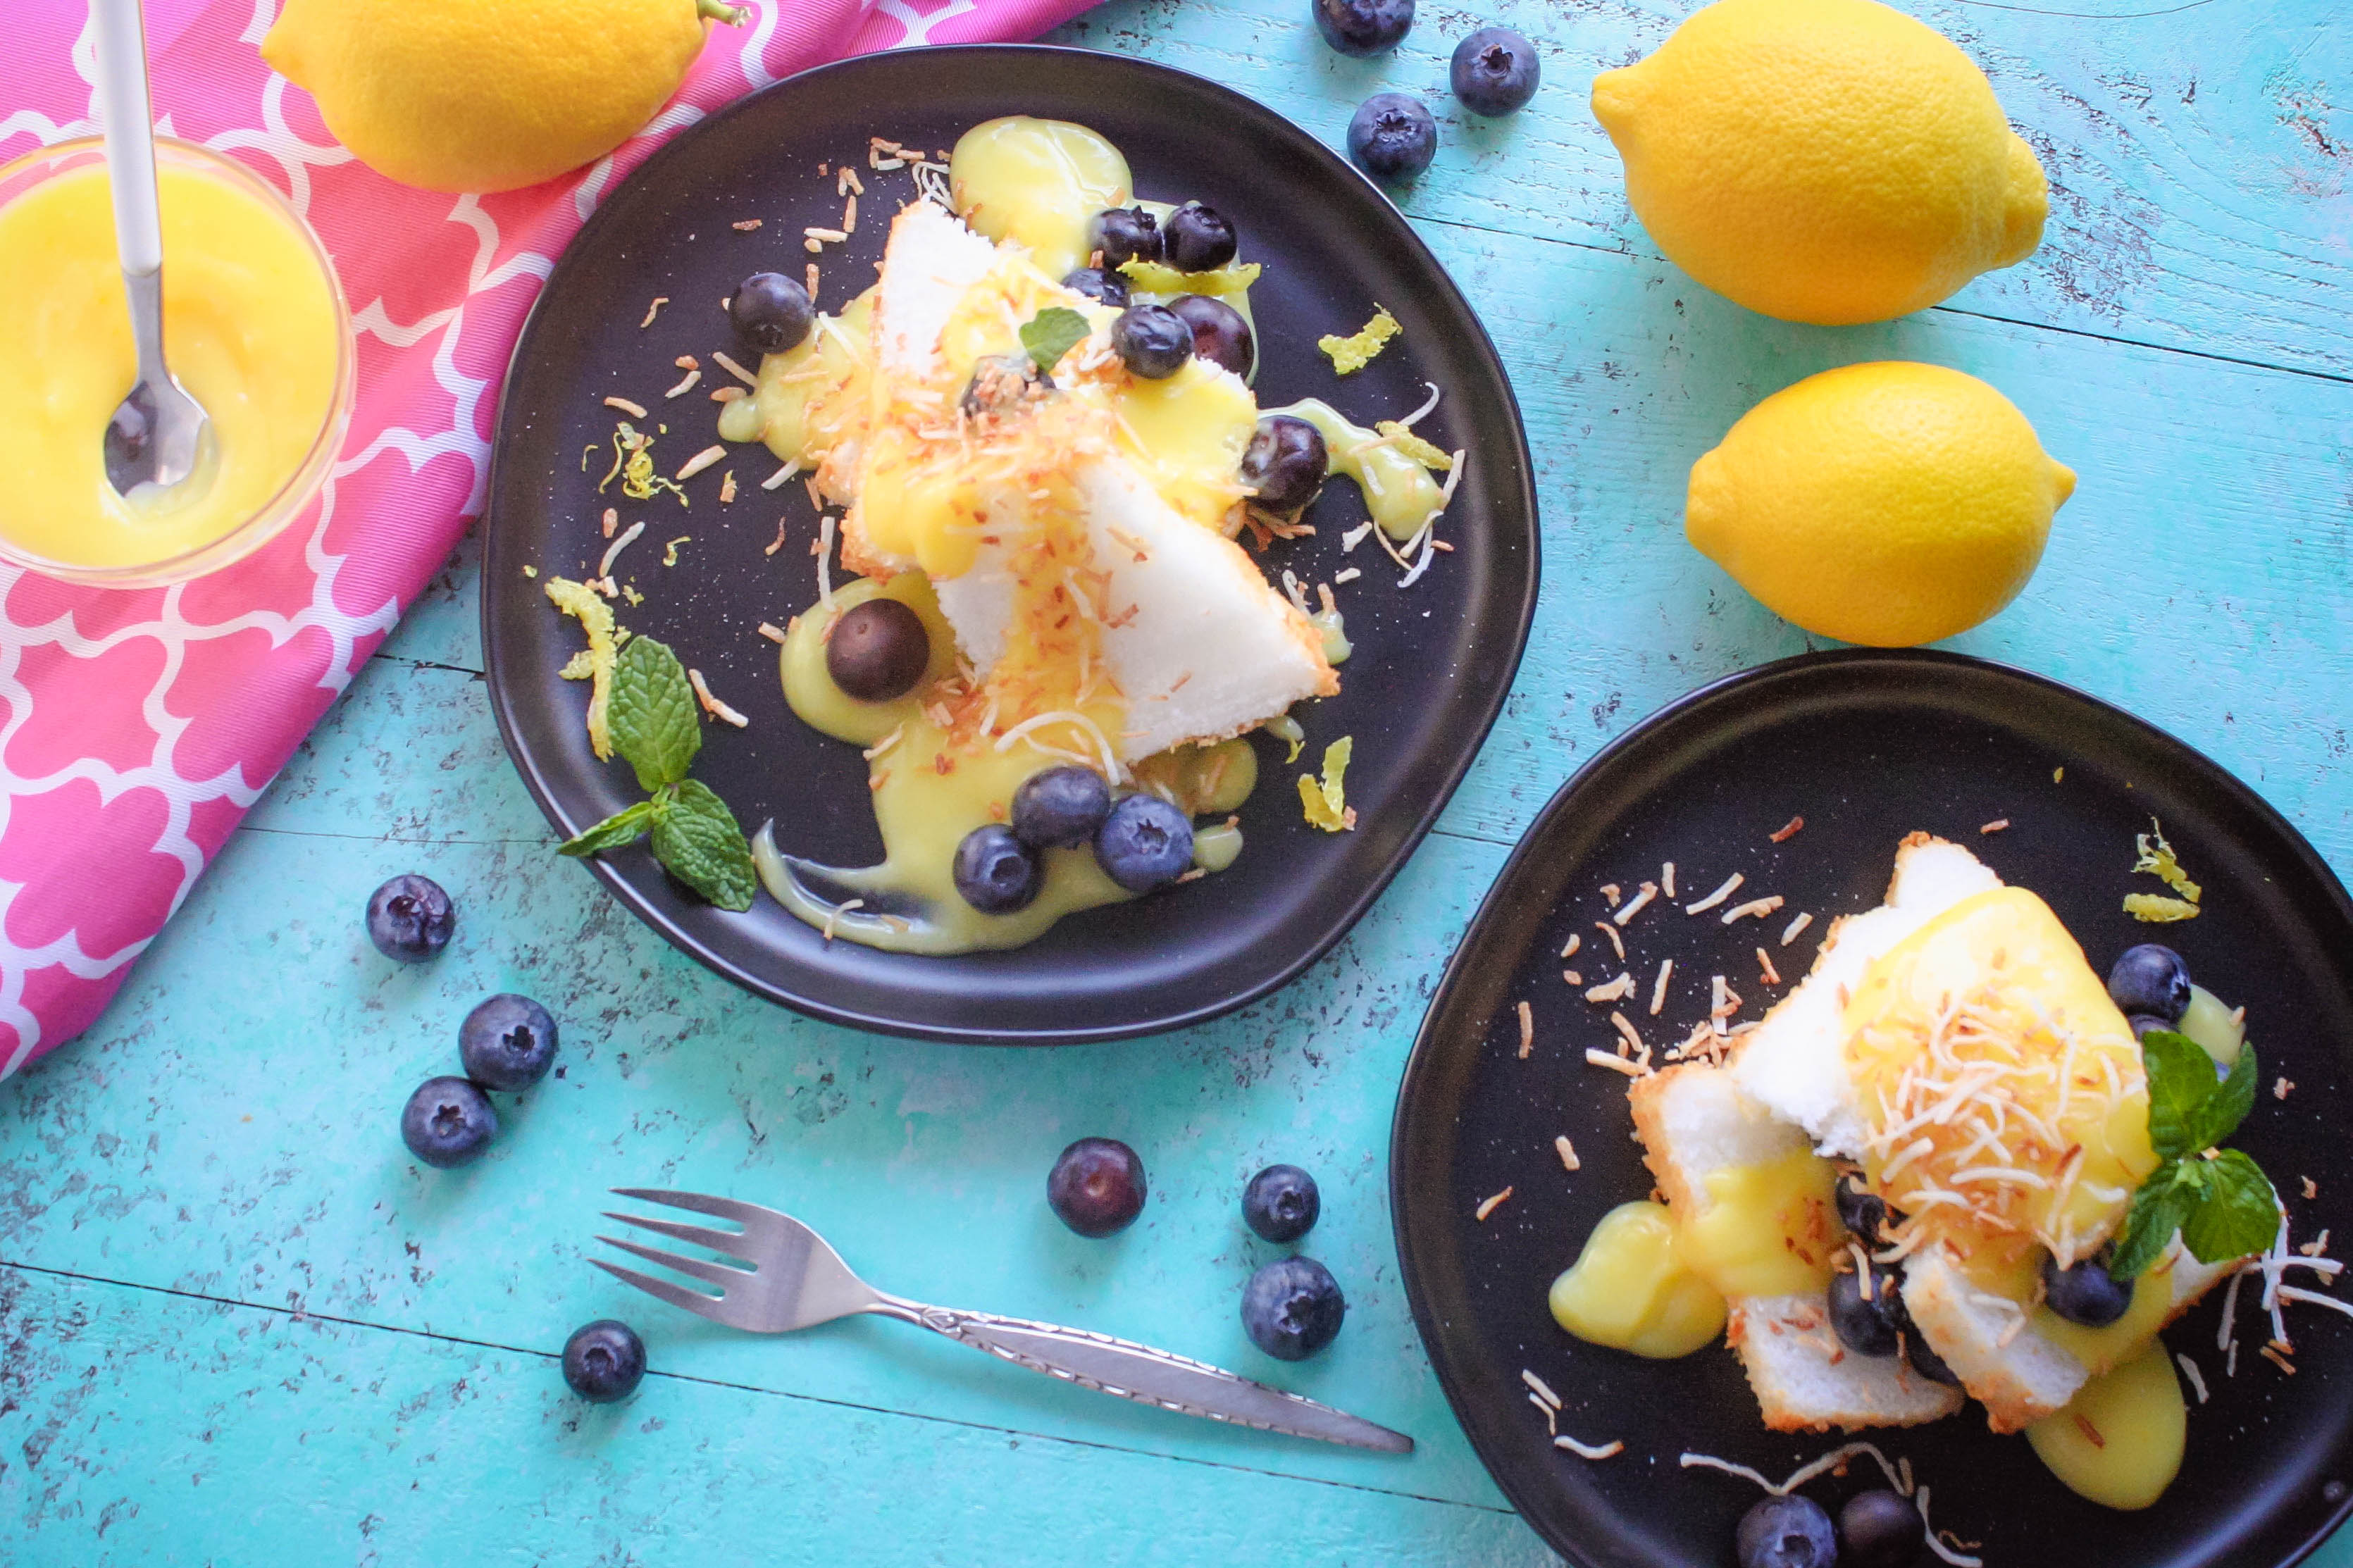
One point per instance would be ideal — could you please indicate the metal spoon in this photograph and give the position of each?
(159, 431)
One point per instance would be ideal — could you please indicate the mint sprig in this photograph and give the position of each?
(652, 714)
(2224, 1207)
(1054, 333)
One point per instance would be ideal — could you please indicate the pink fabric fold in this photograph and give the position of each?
(136, 728)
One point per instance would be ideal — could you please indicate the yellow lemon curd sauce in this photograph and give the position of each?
(946, 758)
(251, 328)
(1653, 1279)
(2119, 1443)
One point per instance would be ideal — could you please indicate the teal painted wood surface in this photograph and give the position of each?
(238, 1325)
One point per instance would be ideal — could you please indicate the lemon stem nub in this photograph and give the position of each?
(720, 11)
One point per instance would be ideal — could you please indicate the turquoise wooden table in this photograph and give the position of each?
(238, 1325)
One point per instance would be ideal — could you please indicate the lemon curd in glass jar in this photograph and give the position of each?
(255, 327)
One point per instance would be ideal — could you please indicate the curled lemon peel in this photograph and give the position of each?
(1354, 353)
(1401, 437)
(595, 662)
(1327, 803)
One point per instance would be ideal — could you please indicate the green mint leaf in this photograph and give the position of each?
(2228, 1105)
(654, 717)
(696, 836)
(624, 827)
(2158, 1209)
(1052, 333)
(2237, 1214)
(2180, 1082)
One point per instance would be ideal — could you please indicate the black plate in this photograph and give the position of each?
(1433, 664)
(1867, 746)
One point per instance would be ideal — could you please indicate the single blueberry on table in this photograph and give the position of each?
(1221, 334)
(1363, 28)
(409, 918)
(1098, 284)
(507, 1041)
(1495, 71)
(447, 1122)
(1285, 463)
(2086, 1293)
(1392, 137)
(1096, 1186)
(1143, 842)
(1281, 1203)
(1060, 807)
(1152, 341)
(1787, 1533)
(1881, 1529)
(771, 312)
(1122, 235)
(1291, 1308)
(2151, 979)
(604, 1361)
(994, 871)
(1197, 238)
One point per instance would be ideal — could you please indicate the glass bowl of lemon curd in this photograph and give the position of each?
(255, 327)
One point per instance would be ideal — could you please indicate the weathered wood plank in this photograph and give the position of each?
(143, 1429)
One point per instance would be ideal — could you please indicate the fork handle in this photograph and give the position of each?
(1149, 1376)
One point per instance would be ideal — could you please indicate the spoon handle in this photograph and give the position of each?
(130, 129)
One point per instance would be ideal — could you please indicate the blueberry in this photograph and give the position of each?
(1002, 382)
(2152, 979)
(771, 312)
(1880, 1529)
(1291, 1308)
(1868, 1328)
(1098, 284)
(1926, 1362)
(1220, 333)
(1281, 1203)
(447, 1122)
(1392, 137)
(1124, 233)
(1197, 238)
(2142, 1023)
(604, 1361)
(2086, 1293)
(1495, 71)
(1151, 341)
(1860, 1210)
(1097, 1186)
(507, 1041)
(1060, 807)
(1143, 842)
(994, 871)
(877, 651)
(1787, 1533)
(410, 919)
(1362, 27)
(1285, 462)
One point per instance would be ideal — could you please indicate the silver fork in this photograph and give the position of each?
(794, 1280)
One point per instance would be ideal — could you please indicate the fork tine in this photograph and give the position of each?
(732, 1242)
(718, 1274)
(676, 1295)
(701, 1202)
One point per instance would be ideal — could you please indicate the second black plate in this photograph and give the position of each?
(1432, 662)
(1866, 747)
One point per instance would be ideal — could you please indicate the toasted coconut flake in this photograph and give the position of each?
(611, 518)
(2317, 1246)
(1572, 976)
(776, 479)
(1608, 1450)
(1788, 830)
(1667, 880)
(1527, 1030)
(1612, 991)
(685, 385)
(775, 634)
(1490, 1204)
(635, 411)
(1619, 1022)
(1568, 949)
(1790, 932)
(1731, 885)
(839, 911)
(1996, 825)
(2282, 1089)
(652, 311)
(1615, 1063)
(2277, 1360)
(1759, 908)
(745, 225)
(1537, 1386)
(710, 704)
(699, 461)
(1428, 405)
(1567, 1150)
(1658, 986)
(1635, 905)
(825, 561)
(1616, 941)
(1613, 892)
(732, 368)
(727, 487)
(2197, 1378)
(613, 550)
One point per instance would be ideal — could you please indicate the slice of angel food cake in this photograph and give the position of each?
(1936, 1172)
(1038, 431)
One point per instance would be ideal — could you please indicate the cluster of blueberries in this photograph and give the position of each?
(1493, 72)
(1292, 1307)
(507, 1043)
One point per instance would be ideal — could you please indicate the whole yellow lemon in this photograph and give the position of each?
(487, 95)
(1889, 504)
(1824, 161)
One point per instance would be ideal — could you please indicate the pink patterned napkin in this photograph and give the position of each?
(137, 727)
